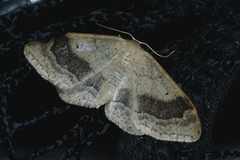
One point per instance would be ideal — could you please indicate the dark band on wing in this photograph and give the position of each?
(67, 59)
(163, 109)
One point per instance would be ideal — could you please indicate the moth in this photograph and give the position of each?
(140, 97)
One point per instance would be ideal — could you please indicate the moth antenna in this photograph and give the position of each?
(138, 41)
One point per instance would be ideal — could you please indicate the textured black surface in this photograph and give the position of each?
(208, 70)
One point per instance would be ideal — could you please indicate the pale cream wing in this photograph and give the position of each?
(164, 110)
(149, 102)
(81, 66)
(121, 109)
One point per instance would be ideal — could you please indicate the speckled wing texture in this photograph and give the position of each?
(141, 98)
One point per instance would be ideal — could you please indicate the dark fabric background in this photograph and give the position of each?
(36, 123)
